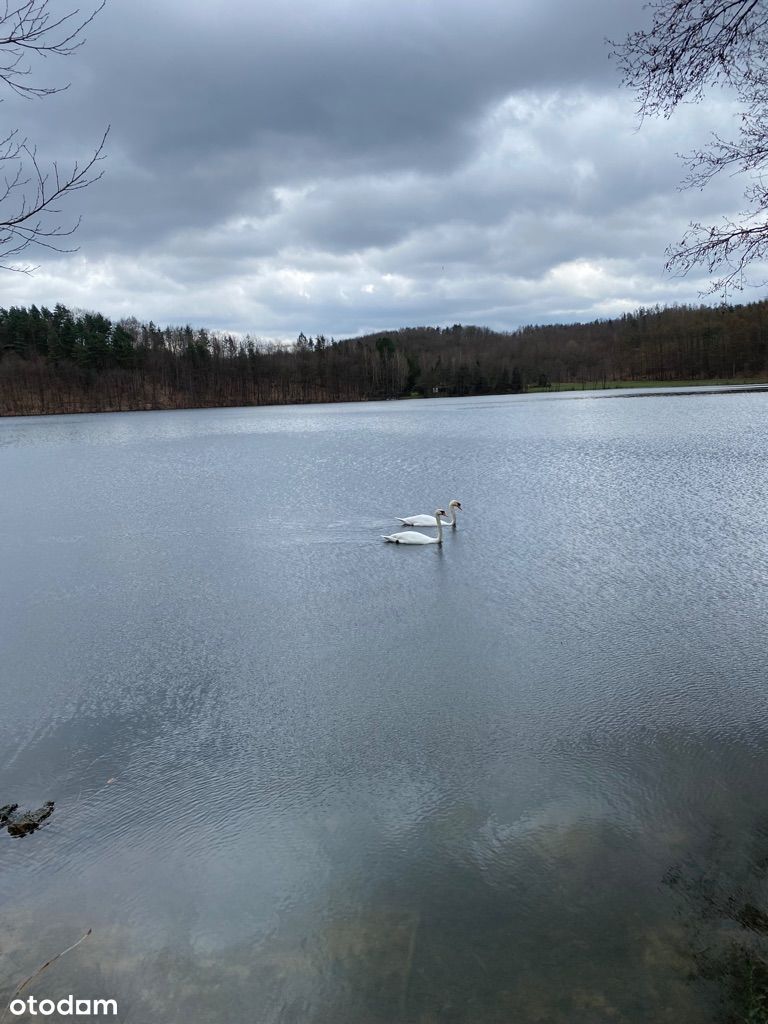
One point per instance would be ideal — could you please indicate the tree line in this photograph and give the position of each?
(61, 360)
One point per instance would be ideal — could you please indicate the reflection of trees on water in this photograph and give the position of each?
(559, 924)
(723, 898)
(468, 920)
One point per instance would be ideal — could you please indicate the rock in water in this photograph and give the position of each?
(22, 824)
(5, 813)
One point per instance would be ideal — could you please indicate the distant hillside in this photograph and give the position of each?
(64, 361)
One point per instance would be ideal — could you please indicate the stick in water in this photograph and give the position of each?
(47, 963)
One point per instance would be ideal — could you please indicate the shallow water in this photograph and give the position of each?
(302, 775)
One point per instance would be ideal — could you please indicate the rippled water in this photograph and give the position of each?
(304, 776)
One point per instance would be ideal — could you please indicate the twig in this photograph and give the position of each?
(480, 961)
(409, 964)
(40, 970)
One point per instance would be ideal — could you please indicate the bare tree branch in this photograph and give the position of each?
(28, 28)
(29, 199)
(30, 194)
(691, 47)
(691, 44)
(727, 251)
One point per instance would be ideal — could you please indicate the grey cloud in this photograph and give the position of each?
(385, 85)
(345, 166)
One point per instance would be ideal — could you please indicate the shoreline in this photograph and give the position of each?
(717, 385)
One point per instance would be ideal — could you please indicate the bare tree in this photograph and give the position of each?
(691, 47)
(31, 193)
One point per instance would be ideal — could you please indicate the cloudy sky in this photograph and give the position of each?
(354, 165)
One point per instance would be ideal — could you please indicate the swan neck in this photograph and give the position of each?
(439, 521)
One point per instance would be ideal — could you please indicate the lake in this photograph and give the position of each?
(302, 775)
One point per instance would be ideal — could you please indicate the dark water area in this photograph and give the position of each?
(301, 775)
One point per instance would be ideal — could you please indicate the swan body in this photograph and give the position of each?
(413, 537)
(432, 520)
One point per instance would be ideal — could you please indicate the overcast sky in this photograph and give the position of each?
(355, 165)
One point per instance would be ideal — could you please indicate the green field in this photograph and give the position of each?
(615, 385)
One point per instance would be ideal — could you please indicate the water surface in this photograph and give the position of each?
(302, 775)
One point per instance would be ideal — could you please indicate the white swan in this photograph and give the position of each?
(430, 520)
(412, 537)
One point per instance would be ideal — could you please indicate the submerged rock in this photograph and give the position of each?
(5, 813)
(752, 917)
(22, 824)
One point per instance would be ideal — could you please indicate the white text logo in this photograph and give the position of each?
(66, 1007)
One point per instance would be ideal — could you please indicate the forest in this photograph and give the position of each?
(60, 360)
